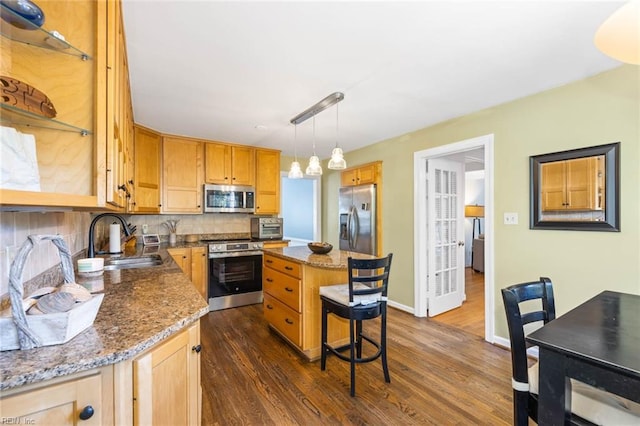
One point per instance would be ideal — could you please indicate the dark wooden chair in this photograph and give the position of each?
(363, 298)
(590, 403)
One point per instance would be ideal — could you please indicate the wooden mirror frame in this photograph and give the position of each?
(611, 222)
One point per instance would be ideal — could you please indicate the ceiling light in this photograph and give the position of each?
(314, 168)
(337, 157)
(295, 172)
(619, 35)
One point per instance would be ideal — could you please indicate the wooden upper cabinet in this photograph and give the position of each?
(229, 164)
(267, 181)
(360, 175)
(572, 185)
(145, 197)
(71, 150)
(182, 174)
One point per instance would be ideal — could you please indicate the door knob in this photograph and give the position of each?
(460, 243)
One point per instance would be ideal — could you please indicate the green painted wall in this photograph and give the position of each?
(600, 109)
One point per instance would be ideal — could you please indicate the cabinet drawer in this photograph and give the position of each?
(283, 287)
(284, 266)
(283, 318)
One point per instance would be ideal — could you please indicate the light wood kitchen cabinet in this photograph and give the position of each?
(145, 197)
(194, 263)
(361, 175)
(85, 398)
(573, 185)
(71, 149)
(199, 269)
(182, 257)
(166, 381)
(267, 181)
(229, 164)
(275, 244)
(182, 175)
(292, 303)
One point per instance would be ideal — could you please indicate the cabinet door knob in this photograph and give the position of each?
(86, 413)
(269, 307)
(269, 280)
(197, 348)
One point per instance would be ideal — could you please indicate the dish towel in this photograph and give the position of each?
(19, 168)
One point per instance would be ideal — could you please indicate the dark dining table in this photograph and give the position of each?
(597, 343)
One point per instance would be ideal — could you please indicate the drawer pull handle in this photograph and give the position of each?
(288, 268)
(288, 321)
(269, 261)
(269, 307)
(86, 413)
(288, 289)
(197, 348)
(269, 280)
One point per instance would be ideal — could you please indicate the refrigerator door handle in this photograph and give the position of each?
(356, 226)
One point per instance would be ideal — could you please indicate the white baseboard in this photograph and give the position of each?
(501, 341)
(401, 307)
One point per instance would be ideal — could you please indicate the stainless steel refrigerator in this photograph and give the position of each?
(357, 207)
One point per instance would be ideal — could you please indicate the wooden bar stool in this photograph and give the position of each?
(363, 298)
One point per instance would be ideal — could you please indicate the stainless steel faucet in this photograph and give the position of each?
(91, 251)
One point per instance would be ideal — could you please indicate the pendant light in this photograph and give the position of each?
(314, 168)
(295, 172)
(619, 36)
(337, 157)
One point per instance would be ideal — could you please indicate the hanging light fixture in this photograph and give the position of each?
(314, 168)
(619, 35)
(337, 157)
(295, 172)
(314, 162)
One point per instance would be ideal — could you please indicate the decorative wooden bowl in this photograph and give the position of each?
(320, 248)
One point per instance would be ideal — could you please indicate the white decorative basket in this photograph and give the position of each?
(22, 331)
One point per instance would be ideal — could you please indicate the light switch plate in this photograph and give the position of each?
(511, 218)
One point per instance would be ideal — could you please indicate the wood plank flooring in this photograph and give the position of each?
(439, 375)
(470, 316)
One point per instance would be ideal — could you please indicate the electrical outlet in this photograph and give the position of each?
(145, 228)
(511, 218)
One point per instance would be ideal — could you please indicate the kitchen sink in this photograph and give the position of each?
(132, 262)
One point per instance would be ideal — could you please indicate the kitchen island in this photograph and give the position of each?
(292, 277)
(148, 316)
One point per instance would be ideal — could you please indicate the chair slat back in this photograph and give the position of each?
(512, 296)
(372, 272)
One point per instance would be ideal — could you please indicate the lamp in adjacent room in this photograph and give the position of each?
(619, 35)
(337, 157)
(314, 168)
(476, 212)
(295, 172)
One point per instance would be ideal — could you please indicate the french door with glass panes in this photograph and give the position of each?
(445, 207)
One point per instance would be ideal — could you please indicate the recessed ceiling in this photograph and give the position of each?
(239, 71)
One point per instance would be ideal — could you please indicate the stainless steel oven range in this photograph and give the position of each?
(235, 273)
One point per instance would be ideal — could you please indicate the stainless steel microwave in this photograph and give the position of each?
(229, 199)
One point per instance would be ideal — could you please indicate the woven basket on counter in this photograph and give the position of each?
(22, 331)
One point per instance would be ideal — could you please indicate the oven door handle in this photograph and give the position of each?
(235, 254)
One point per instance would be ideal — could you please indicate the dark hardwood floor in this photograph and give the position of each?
(439, 375)
(470, 316)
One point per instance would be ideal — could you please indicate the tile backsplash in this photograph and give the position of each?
(74, 228)
(16, 226)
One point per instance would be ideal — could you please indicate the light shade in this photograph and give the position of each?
(337, 160)
(474, 211)
(295, 172)
(619, 35)
(314, 168)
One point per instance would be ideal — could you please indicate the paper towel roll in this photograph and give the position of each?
(114, 238)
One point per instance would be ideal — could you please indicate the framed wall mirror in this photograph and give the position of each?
(576, 190)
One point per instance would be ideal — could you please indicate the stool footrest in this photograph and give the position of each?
(338, 349)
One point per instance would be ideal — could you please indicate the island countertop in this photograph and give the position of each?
(141, 307)
(335, 259)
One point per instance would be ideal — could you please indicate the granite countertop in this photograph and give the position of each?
(335, 259)
(141, 307)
